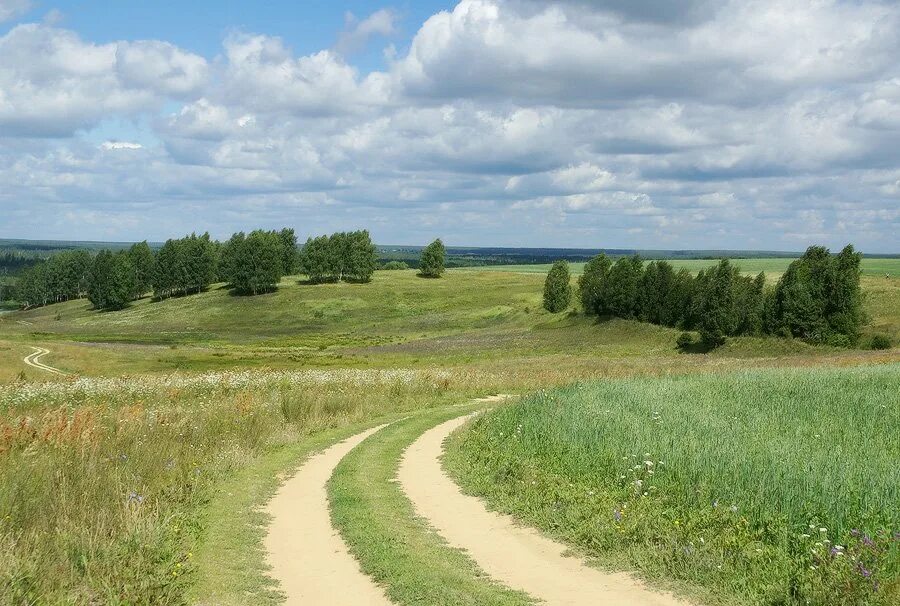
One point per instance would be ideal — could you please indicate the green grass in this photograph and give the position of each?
(394, 546)
(720, 481)
(871, 266)
(399, 319)
(106, 483)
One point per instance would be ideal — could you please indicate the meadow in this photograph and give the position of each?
(763, 487)
(137, 478)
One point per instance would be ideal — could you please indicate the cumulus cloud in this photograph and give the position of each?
(754, 123)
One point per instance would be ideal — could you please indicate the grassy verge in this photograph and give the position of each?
(392, 544)
(763, 487)
(106, 483)
(230, 561)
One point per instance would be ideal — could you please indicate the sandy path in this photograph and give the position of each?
(33, 360)
(306, 554)
(518, 557)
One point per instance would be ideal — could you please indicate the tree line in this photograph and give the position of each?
(817, 299)
(250, 264)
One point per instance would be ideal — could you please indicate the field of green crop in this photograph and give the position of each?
(763, 487)
(871, 266)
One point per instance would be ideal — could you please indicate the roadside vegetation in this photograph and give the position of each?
(763, 487)
(105, 482)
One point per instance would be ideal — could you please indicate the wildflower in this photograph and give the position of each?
(617, 515)
(733, 508)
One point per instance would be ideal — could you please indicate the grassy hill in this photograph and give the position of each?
(467, 317)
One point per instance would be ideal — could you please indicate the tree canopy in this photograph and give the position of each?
(434, 257)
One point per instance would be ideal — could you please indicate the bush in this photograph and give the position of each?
(434, 257)
(880, 342)
(685, 340)
(394, 265)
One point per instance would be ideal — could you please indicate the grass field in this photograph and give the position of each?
(765, 487)
(471, 317)
(137, 480)
(871, 266)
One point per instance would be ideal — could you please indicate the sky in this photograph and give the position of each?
(664, 124)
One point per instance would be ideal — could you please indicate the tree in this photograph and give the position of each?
(144, 263)
(288, 240)
(253, 264)
(624, 282)
(679, 300)
(361, 257)
(111, 284)
(843, 308)
(434, 257)
(592, 285)
(557, 288)
(315, 259)
(717, 309)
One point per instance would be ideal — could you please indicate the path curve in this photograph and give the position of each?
(33, 360)
(307, 556)
(516, 556)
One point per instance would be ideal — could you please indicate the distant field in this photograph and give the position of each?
(870, 266)
(739, 482)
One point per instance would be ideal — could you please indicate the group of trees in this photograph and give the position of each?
(818, 298)
(347, 256)
(250, 264)
(255, 263)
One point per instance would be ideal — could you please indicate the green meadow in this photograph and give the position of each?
(763, 487)
(138, 477)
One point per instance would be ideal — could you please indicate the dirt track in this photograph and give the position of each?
(33, 360)
(518, 557)
(306, 554)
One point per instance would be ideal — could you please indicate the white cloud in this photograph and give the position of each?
(358, 33)
(758, 123)
(10, 9)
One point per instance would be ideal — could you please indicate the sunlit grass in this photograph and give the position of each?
(749, 484)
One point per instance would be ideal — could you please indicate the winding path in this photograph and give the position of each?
(33, 360)
(518, 557)
(307, 556)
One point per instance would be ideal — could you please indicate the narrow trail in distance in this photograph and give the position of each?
(516, 556)
(33, 360)
(307, 555)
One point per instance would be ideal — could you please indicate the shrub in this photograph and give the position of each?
(880, 342)
(394, 265)
(685, 340)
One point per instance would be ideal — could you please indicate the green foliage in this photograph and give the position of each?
(763, 487)
(60, 278)
(289, 258)
(716, 305)
(185, 266)
(342, 256)
(557, 288)
(623, 287)
(685, 341)
(144, 263)
(880, 342)
(111, 282)
(253, 264)
(395, 266)
(819, 296)
(592, 284)
(433, 259)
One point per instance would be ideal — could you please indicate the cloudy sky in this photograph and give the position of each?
(753, 124)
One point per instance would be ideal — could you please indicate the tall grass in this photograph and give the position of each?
(102, 483)
(772, 487)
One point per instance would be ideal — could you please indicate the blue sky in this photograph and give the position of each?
(742, 124)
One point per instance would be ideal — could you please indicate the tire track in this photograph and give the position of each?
(33, 360)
